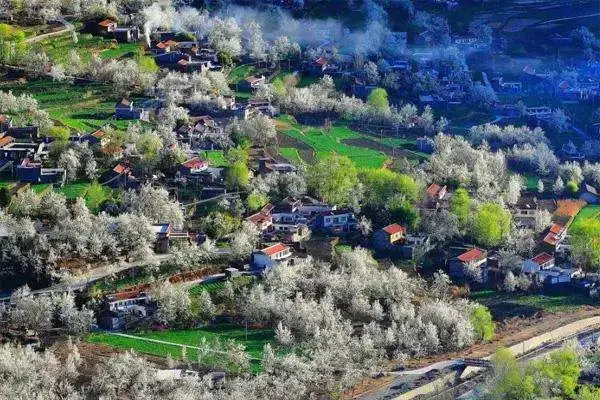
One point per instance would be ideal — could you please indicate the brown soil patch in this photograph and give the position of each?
(394, 152)
(306, 152)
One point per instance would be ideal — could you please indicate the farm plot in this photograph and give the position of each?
(589, 211)
(58, 47)
(324, 143)
(172, 341)
(81, 108)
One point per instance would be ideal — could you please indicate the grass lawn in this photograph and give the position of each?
(40, 188)
(291, 154)
(240, 73)
(589, 211)
(210, 287)
(253, 339)
(216, 158)
(550, 302)
(58, 47)
(82, 108)
(325, 143)
(74, 190)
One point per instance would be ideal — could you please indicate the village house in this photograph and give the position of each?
(473, 259)
(525, 210)
(557, 276)
(28, 132)
(34, 172)
(336, 221)
(264, 259)
(540, 262)
(556, 238)
(253, 82)
(107, 26)
(589, 194)
(126, 110)
(277, 252)
(96, 138)
(267, 165)
(414, 245)
(310, 207)
(189, 64)
(254, 106)
(122, 308)
(119, 177)
(261, 220)
(193, 166)
(389, 236)
(164, 47)
(127, 34)
(436, 196)
(5, 123)
(321, 66)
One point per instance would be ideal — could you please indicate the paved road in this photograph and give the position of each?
(95, 275)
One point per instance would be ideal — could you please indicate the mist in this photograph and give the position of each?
(375, 37)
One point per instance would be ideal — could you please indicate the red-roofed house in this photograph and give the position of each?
(193, 166)
(540, 262)
(253, 82)
(389, 236)
(6, 140)
(556, 236)
(472, 259)
(434, 195)
(276, 252)
(107, 25)
(261, 220)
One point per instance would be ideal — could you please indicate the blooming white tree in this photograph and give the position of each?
(153, 203)
(173, 303)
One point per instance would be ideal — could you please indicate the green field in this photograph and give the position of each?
(240, 73)
(216, 158)
(550, 303)
(324, 143)
(82, 108)
(210, 287)
(589, 211)
(253, 339)
(291, 154)
(58, 47)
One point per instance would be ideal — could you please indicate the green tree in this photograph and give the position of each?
(585, 239)
(382, 184)
(588, 392)
(256, 201)
(508, 381)
(334, 178)
(217, 224)
(403, 212)
(94, 196)
(572, 187)
(491, 225)
(145, 63)
(378, 98)
(460, 205)
(484, 326)
(237, 154)
(561, 369)
(237, 176)
(59, 133)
